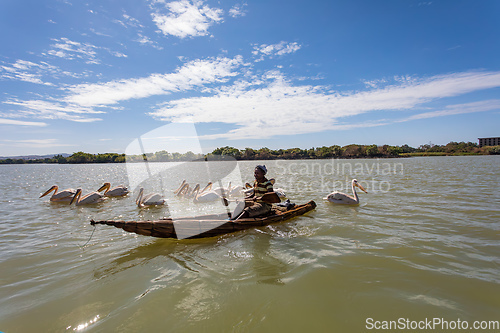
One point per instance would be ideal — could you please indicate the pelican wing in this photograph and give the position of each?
(91, 198)
(153, 199)
(207, 197)
(117, 191)
(65, 195)
(340, 198)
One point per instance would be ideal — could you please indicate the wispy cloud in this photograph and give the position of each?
(145, 40)
(272, 50)
(275, 107)
(186, 18)
(67, 49)
(450, 110)
(81, 101)
(71, 50)
(4, 121)
(194, 74)
(237, 10)
(36, 143)
(28, 71)
(53, 110)
(128, 21)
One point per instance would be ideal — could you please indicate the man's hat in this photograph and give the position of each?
(263, 168)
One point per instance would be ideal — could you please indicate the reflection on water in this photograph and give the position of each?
(427, 246)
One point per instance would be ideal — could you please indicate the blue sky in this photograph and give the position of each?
(95, 75)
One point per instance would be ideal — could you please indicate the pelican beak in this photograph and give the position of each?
(247, 185)
(361, 188)
(209, 186)
(77, 194)
(184, 188)
(48, 191)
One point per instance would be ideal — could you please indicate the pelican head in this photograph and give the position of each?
(355, 183)
(106, 186)
(77, 195)
(53, 188)
(139, 197)
(207, 188)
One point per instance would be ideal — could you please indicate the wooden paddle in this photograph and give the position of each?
(270, 197)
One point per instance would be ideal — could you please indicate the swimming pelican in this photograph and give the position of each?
(153, 199)
(236, 191)
(91, 198)
(114, 192)
(222, 191)
(342, 198)
(63, 196)
(206, 195)
(180, 187)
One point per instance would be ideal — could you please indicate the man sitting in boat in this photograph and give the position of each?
(254, 204)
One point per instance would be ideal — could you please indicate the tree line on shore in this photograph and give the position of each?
(335, 151)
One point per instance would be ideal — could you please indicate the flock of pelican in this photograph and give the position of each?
(75, 196)
(210, 194)
(195, 194)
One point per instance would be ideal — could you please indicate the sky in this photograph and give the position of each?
(95, 76)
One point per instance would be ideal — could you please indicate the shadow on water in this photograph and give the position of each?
(250, 256)
(268, 269)
(171, 248)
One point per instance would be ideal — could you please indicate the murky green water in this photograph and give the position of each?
(423, 243)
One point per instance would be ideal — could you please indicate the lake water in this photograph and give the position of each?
(424, 243)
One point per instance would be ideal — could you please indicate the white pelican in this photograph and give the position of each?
(153, 199)
(222, 191)
(236, 191)
(63, 196)
(91, 198)
(114, 192)
(342, 198)
(180, 187)
(206, 195)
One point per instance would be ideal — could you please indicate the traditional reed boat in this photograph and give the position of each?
(205, 226)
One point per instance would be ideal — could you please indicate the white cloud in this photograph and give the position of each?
(36, 143)
(81, 100)
(186, 19)
(4, 121)
(28, 71)
(129, 21)
(71, 50)
(278, 108)
(271, 50)
(237, 10)
(68, 49)
(53, 110)
(194, 74)
(144, 40)
(450, 110)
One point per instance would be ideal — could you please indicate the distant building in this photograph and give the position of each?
(489, 142)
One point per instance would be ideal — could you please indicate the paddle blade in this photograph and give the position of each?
(271, 197)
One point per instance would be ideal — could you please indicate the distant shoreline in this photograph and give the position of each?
(352, 151)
